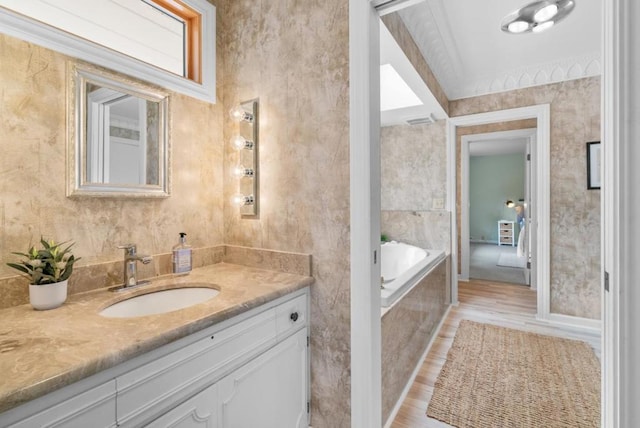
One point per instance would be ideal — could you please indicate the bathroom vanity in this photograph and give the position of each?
(239, 359)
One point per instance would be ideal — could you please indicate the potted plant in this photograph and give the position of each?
(48, 269)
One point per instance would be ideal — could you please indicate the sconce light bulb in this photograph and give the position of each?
(240, 143)
(241, 200)
(238, 199)
(240, 171)
(239, 114)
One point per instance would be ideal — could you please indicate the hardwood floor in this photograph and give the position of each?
(507, 305)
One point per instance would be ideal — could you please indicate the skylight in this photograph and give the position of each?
(394, 91)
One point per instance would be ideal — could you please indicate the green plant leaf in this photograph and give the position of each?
(21, 268)
(49, 264)
(44, 243)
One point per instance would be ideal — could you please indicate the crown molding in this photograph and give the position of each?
(525, 77)
(429, 26)
(430, 30)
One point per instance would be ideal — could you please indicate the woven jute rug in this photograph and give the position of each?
(498, 377)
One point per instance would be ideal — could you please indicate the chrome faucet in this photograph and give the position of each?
(131, 258)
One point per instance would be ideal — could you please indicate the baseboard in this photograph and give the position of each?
(586, 324)
(407, 387)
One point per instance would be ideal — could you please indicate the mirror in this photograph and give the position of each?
(118, 139)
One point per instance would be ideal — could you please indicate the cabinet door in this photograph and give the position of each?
(269, 391)
(197, 412)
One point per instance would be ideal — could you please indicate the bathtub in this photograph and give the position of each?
(402, 266)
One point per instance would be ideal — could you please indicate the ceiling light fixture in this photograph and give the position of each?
(546, 13)
(541, 27)
(537, 16)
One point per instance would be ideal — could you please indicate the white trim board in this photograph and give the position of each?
(542, 154)
(580, 323)
(621, 232)
(365, 212)
(612, 250)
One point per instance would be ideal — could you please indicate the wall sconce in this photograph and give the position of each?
(246, 170)
(510, 203)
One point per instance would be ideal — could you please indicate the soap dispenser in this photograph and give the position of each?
(182, 256)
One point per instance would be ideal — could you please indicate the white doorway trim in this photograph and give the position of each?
(542, 234)
(365, 211)
(464, 187)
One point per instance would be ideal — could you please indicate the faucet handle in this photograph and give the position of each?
(130, 249)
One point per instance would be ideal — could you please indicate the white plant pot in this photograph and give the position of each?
(48, 296)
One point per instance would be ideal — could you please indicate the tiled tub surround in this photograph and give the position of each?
(414, 177)
(42, 351)
(407, 328)
(413, 166)
(424, 229)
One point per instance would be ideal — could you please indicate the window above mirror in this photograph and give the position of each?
(170, 43)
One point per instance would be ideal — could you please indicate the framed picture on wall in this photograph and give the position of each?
(593, 165)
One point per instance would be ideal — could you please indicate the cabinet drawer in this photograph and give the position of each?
(505, 233)
(508, 226)
(147, 391)
(93, 408)
(506, 239)
(291, 316)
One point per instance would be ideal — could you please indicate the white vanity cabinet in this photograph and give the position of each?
(248, 371)
(93, 408)
(198, 411)
(268, 392)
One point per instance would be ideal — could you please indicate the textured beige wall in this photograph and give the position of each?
(413, 166)
(294, 57)
(413, 174)
(575, 211)
(32, 171)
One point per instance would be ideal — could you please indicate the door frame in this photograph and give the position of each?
(464, 188)
(617, 231)
(365, 213)
(542, 114)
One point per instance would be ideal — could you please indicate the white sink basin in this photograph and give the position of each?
(159, 302)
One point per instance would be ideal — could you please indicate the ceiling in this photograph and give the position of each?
(470, 55)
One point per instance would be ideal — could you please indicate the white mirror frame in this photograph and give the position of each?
(30, 30)
(77, 186)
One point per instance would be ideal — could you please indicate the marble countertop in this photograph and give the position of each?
(41, 351)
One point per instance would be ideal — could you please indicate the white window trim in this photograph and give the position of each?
(32, 31)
